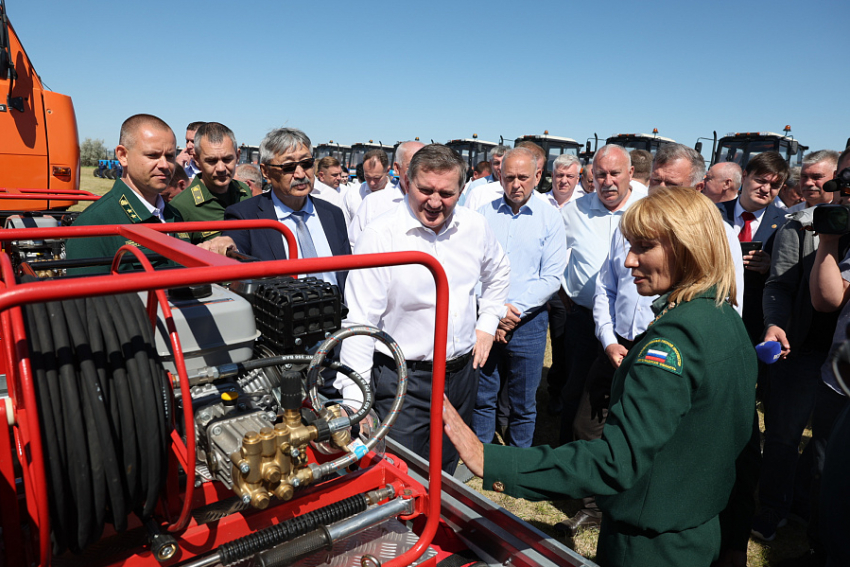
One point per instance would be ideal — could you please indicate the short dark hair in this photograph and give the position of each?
(642, 162)
(179, 175)
(194, 126)
(438, 158)
(379, 155)
(326, 162)
(769, 163)
(214, 132)
(132, 125)
(483, 166)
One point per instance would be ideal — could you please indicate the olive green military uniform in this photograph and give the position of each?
(121, 205)
(681, 412)
(197, 203)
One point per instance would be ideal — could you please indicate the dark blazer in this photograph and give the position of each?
(754, 282)
(268, 244)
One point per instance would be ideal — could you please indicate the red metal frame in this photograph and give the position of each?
(201, 267)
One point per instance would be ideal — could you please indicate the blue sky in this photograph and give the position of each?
(439, 70)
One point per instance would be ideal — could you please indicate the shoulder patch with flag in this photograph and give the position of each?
(663, 354)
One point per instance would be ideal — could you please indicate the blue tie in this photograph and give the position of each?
(305, 241)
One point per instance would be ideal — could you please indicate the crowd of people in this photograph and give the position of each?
(652, 278)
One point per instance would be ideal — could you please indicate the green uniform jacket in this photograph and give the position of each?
(120, 205)
(197, 203)
(681, 412)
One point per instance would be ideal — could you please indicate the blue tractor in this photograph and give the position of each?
(108, 169)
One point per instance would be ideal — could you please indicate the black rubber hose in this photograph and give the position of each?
(114, 364)
(100, 432)
(43, 369)
(244, 547)
(104, 407)
(143, 406)
(78, 466)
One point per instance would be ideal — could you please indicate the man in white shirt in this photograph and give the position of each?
(376, 204)
(590, 223)
(755, 220)
(722, 182)
(485, 189)
(376, 167)
(187, 156)
(566, 171)
(790, 199)
(642, 162)
(401, 300)
(328, 179)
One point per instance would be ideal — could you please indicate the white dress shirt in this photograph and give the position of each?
(314, 226)
(549, 197)
(327, 193)
(352, 199)
(155, 210)
(401, 300)
(590, 227)
(635, 184)
(619, 308)
(480, 195)
(739, 221)
(373, 206)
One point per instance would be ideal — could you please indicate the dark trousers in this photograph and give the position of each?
(593, 408)
(736, 519)
(557, 327)
(790, 400)
(828, 407)
(580, 350)
(413, 425)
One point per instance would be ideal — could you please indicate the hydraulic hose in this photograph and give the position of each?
(320, 471)
(104, 408)
(266, 538)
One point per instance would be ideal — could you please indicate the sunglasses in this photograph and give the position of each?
(292, 166)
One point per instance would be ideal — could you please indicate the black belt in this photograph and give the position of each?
(452, 364)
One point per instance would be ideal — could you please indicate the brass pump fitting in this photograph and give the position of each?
(271, 469)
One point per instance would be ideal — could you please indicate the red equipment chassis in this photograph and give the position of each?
(495, 534)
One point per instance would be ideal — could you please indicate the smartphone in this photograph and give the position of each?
(750, 247)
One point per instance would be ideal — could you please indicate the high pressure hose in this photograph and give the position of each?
(105, 413)
(320, 471)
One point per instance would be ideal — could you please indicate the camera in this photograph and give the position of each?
(840, 183)
(831, 219)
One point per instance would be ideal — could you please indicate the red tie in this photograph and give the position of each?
(746, 234)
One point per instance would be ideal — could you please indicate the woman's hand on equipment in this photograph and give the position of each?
(470, 449)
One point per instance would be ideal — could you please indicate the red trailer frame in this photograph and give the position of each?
(200, 267)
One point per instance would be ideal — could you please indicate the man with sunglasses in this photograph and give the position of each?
(755, 218)
(286, 160)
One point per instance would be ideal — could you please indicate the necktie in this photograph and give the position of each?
(746, 234)
(305, 241)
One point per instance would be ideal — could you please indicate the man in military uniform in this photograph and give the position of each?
(214, 189)
(146, 150)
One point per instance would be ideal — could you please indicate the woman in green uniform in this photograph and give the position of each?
(681, 402)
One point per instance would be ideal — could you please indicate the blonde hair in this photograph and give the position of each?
(691, 223)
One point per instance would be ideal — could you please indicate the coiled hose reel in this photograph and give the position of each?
(106, 409)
